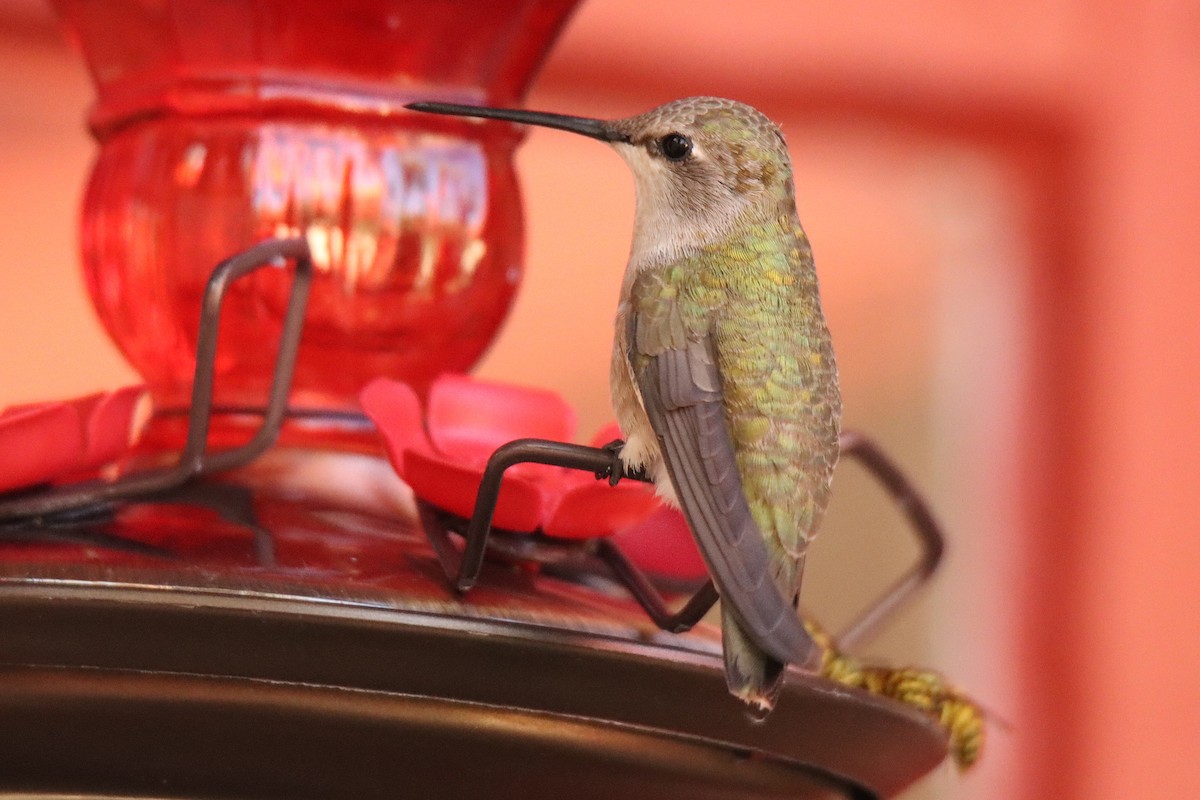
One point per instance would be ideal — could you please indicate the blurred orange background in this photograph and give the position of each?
(1004, 201)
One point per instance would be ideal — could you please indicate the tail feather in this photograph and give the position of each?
(751, 675)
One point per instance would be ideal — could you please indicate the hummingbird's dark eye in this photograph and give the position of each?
(675, 146)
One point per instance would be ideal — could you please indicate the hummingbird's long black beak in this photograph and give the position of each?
(595, 128)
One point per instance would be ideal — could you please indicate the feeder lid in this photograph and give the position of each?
(144, 677)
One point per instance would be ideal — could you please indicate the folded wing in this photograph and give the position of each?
(681, 391)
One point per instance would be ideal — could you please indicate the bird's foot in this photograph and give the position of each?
(616, 469)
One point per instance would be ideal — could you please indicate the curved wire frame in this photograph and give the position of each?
(196, 460)
(463, 568)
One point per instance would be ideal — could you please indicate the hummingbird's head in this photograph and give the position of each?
(700, 164)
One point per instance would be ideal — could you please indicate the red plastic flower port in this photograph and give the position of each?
(663, 546)
(44, 442)
(442, 456)
(466, 421)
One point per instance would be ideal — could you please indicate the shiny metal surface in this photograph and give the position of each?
(346, 667)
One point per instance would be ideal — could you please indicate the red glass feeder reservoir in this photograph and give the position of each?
(222, 124)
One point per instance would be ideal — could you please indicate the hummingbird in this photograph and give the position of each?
(723, 377)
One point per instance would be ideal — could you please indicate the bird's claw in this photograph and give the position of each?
(616, 470)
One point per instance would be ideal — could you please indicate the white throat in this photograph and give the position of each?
(660, 233)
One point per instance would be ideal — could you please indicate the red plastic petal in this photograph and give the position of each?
(394, 408)
(452, 487)
(109, 421)
(662, 544)
(468, 419)
(593, 508)
(37, 443)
